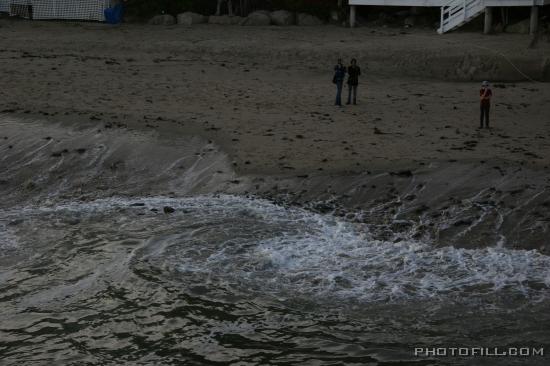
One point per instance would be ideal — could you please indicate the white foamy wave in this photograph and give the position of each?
(376, 271)
(323, 256)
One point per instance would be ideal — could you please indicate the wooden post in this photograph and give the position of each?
(534, 23)
(488, 24)
(352, 16)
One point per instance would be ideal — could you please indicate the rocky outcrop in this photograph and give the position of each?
(225, 20)
(282, 17)
(164, 19)
(257, 18)
(190, 18)
(308, 20)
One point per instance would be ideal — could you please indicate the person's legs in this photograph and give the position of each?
(481, 113)
(355, 94)
(350, 88)
(487, 110)
(338, 93)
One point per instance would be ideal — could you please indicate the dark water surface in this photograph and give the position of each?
(229, 279)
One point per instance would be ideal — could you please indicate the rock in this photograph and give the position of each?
(16, 222)
(463, 222)
(264, 12)
(323, 207)
(308, 20)
(225, 20)
(71, 221)
(190, 18)
(402, 173)
(168, 209)
(423, 208)
(282, 17)
(257, 19)
(519, 27)
(30, 185)
(164, 19)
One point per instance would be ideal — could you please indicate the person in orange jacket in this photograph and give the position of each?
(485, 95)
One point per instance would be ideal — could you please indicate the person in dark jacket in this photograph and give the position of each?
(353, 80)
(485, 94)
(338, 79)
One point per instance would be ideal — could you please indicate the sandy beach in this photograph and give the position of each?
(265, 94)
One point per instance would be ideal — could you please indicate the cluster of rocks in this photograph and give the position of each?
(257, 18)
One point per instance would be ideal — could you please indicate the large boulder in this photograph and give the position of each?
(225, 19)
(257, 18)
(164, 19)
(265, 12)
(519, 27)
(282, 17)
(190, 18)
(308, 20)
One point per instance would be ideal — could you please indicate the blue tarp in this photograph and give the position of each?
(114, 15)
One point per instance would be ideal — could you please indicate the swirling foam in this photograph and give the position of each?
(262, 247)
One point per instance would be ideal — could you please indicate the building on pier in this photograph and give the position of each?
(455, 13)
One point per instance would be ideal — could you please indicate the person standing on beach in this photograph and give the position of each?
(338, 79)
(353, 80)
(485, 95)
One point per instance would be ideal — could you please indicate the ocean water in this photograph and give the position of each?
(130, 276)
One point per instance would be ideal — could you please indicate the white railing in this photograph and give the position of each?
(457, 12)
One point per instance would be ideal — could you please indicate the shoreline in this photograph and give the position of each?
(461, 204)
